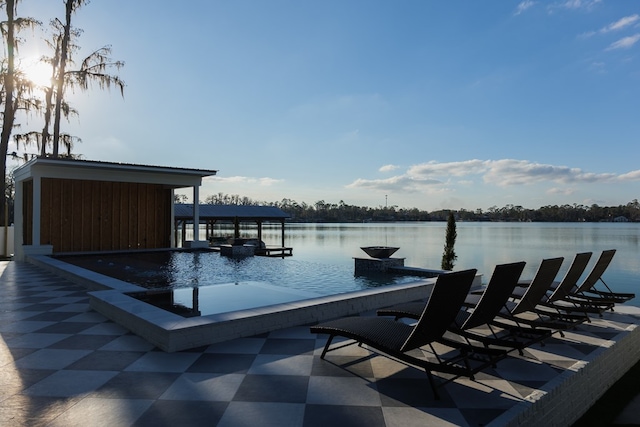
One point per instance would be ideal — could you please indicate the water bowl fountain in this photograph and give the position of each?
(379, 251)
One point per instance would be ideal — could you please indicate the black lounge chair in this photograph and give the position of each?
(398, 339)
(524, 306)
(587, 291)
(486, 310)
(565, 299)
(482, 310)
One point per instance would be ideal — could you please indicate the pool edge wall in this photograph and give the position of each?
(171, 332)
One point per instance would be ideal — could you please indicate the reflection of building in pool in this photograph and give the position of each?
(230, 217)
(65, 205)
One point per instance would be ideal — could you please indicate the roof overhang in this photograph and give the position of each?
(115, 172)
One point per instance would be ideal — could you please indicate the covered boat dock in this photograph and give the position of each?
(233, 214)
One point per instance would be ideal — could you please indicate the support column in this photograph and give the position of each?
(282, 222)
(37, 202)
(174, 232)
(196, 213)
(196, 242)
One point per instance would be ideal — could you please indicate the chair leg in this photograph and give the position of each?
(326, 346)
(433, 385)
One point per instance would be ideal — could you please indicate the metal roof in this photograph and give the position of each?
(230, 212)
(114, 165)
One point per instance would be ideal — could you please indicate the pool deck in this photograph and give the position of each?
(64, 364)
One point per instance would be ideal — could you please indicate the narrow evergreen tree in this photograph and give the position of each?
(449, 256)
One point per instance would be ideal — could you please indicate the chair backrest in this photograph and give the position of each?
(494, 298)
(597, 271)
(539, 286)
(447, 296)
(570, 279)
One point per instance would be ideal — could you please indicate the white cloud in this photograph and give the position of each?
(630, 176)
(388, 168)
(523, 5)
(625, 42)
(573, 5)
(267, 182)
(561, 191)
(432, 175)
(264, 182)
(578, 4)
(399, 183)
(463, 168)
(621, 23)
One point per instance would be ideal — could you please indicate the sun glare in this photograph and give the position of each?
(38, 72)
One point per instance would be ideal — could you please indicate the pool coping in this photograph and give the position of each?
(171, 332)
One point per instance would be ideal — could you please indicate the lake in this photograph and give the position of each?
(322, 260)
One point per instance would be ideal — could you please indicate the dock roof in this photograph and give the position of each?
(231, 212)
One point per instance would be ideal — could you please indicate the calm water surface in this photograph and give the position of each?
(479, 245)
(323, 254)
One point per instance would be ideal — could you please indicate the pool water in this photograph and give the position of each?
(188, 269)
(223, 298)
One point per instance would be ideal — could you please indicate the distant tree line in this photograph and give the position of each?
(322, 211)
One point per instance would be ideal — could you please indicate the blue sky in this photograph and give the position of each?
(428, 104)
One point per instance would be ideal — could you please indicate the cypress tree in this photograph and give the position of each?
(449, 256)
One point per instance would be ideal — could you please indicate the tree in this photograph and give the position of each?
(13, 86)
(449, 256)
(93, 69)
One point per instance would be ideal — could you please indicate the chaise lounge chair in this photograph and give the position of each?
(565, 298)
(524, 307)
(398, 339)
(587, 292)
(481, 311)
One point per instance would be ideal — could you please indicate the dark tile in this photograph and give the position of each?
(352, 416)
(413, 392)
(273, 388)
(222, 363)
(52, 316)
(18, 353)
(182, 413)
(29, 377)
(32, 299)
(66, 328)
(83, 342)
(137, 385)
(40, 307)
(584, 348)
(480, 417)
(106, 361)
(288, 346)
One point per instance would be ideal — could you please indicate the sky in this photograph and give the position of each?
(428, 104)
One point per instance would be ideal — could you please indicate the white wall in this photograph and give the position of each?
(9, 250)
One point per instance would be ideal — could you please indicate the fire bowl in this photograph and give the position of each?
(379, 251)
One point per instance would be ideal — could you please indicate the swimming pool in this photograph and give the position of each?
(188, 269)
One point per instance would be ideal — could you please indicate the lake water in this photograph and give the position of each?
(479, 245)
(323, 254)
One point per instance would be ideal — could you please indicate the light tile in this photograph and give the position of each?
(262, 414)
(342, 391)
(159, 361)
(210, 387)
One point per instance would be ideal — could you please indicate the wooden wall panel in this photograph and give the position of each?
(86, 219)
(100, 216)
(27, 212)
(115, 214)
